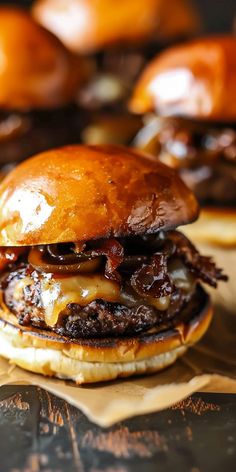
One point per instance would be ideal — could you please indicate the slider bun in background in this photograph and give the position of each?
(194, 80)
(38, 71)
(86, 26)
(118, 37)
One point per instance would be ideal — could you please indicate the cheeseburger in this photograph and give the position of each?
(96, 282)
(102, 29)
(190, 92)
(39, 79)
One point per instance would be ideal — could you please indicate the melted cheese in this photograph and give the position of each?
(57, 293)
(181, 276)
(161, 304)
(130, 298)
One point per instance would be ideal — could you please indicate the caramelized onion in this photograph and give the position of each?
(51, 258)
(152, 279)
(155, 265)
(131, 263)
(51, 252)
(37, 260)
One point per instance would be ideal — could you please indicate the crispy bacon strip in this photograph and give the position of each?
(203, 267)
(114, 253)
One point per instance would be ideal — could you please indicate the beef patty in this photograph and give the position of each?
(97, 319)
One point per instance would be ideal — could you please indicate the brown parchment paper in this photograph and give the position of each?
(210, 365)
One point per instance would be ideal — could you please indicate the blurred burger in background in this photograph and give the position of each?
(188, 96)
(120, 36)
(39, 79)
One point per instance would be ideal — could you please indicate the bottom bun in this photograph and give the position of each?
(214, 226)
(52, 355)
(54, 363)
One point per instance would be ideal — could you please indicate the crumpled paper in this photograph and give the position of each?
(210, 365)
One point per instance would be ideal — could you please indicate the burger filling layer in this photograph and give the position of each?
(25, 134)
(104, 288)
(203, 153)
(116, 72)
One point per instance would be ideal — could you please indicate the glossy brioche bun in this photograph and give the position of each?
(196, 80)
(89, 25)
(97, 360)
(79, 193)
(36, 69)
(215, 226)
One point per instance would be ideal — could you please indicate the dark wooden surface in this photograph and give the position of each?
(39, 432)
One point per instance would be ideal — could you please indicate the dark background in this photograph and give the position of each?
(218, 14)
